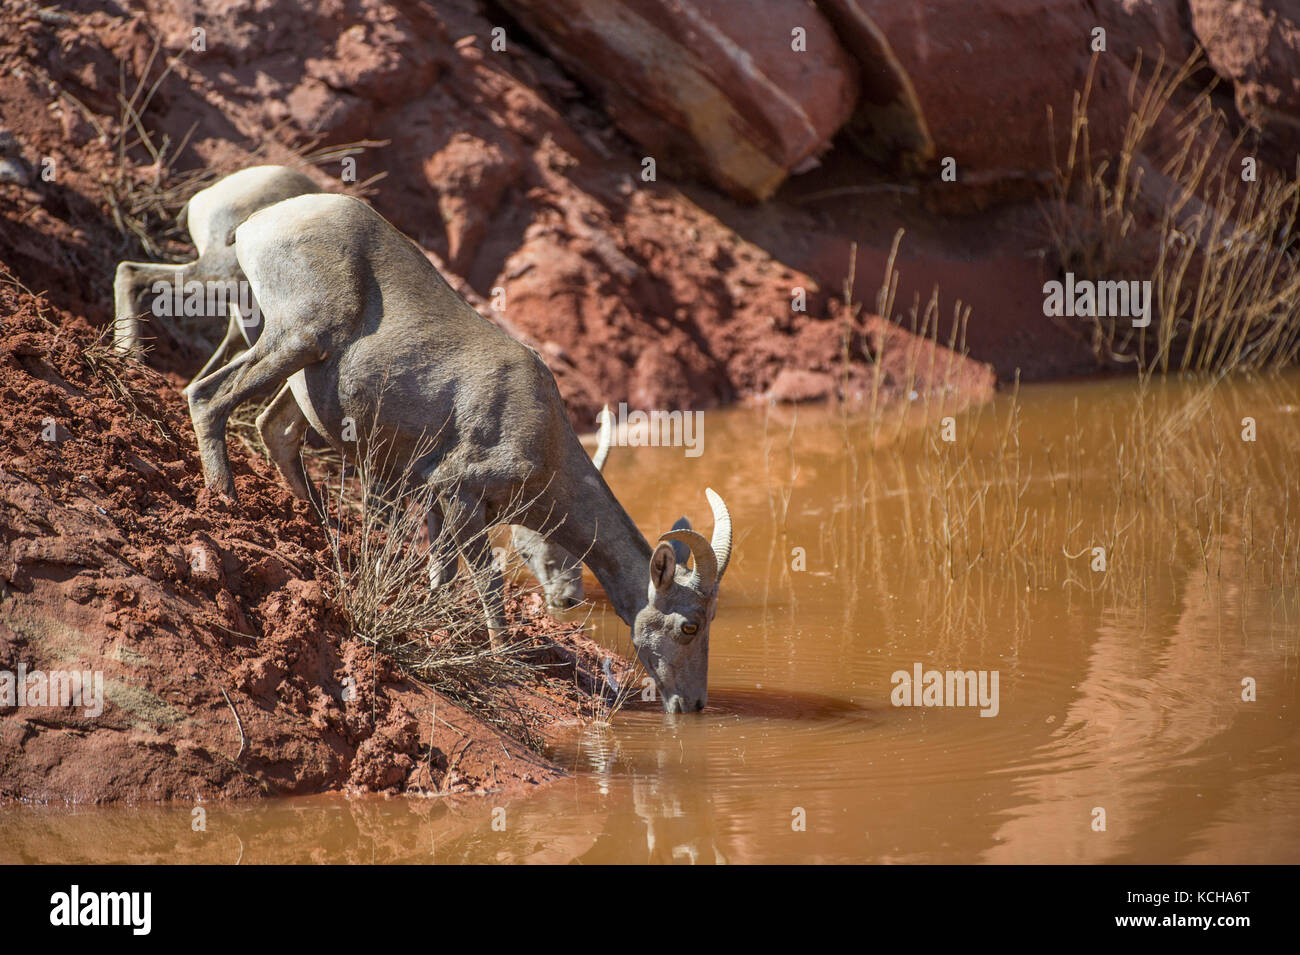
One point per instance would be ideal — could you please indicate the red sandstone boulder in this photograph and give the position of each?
(975, 81)
(1256, 45)
(703, 89)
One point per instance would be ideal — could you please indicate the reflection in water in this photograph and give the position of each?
(1121, 688)
(777, 704)
(1156, 716)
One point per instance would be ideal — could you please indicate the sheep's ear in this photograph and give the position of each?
(680, 550)
(663, 564)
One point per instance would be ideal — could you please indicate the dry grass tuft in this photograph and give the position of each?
(1099, 499)
(1218, 246)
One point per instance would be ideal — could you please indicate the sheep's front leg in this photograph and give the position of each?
(264, 366)
(131, 280)
(282, 426)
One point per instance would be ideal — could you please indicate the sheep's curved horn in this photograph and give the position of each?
(704, 575)
(606, 438)
(721, 545)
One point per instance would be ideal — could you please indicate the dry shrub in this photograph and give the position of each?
(145, 199)
(111, 366)
(380, 571)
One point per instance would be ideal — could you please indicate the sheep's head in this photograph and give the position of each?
(671, 633)
(559, 574)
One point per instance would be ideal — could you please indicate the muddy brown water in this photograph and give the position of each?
(1122, 693)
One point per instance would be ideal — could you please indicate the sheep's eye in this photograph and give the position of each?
(689, 629)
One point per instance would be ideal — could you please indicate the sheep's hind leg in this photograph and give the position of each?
(214, 398)
(282, 426)
(131, 279)
(234, 338)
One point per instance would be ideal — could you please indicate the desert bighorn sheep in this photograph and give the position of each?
(211, 216)
(354, 315)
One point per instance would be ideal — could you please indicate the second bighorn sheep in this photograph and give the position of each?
(361, 326)
(559, 572)
(211, 216)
